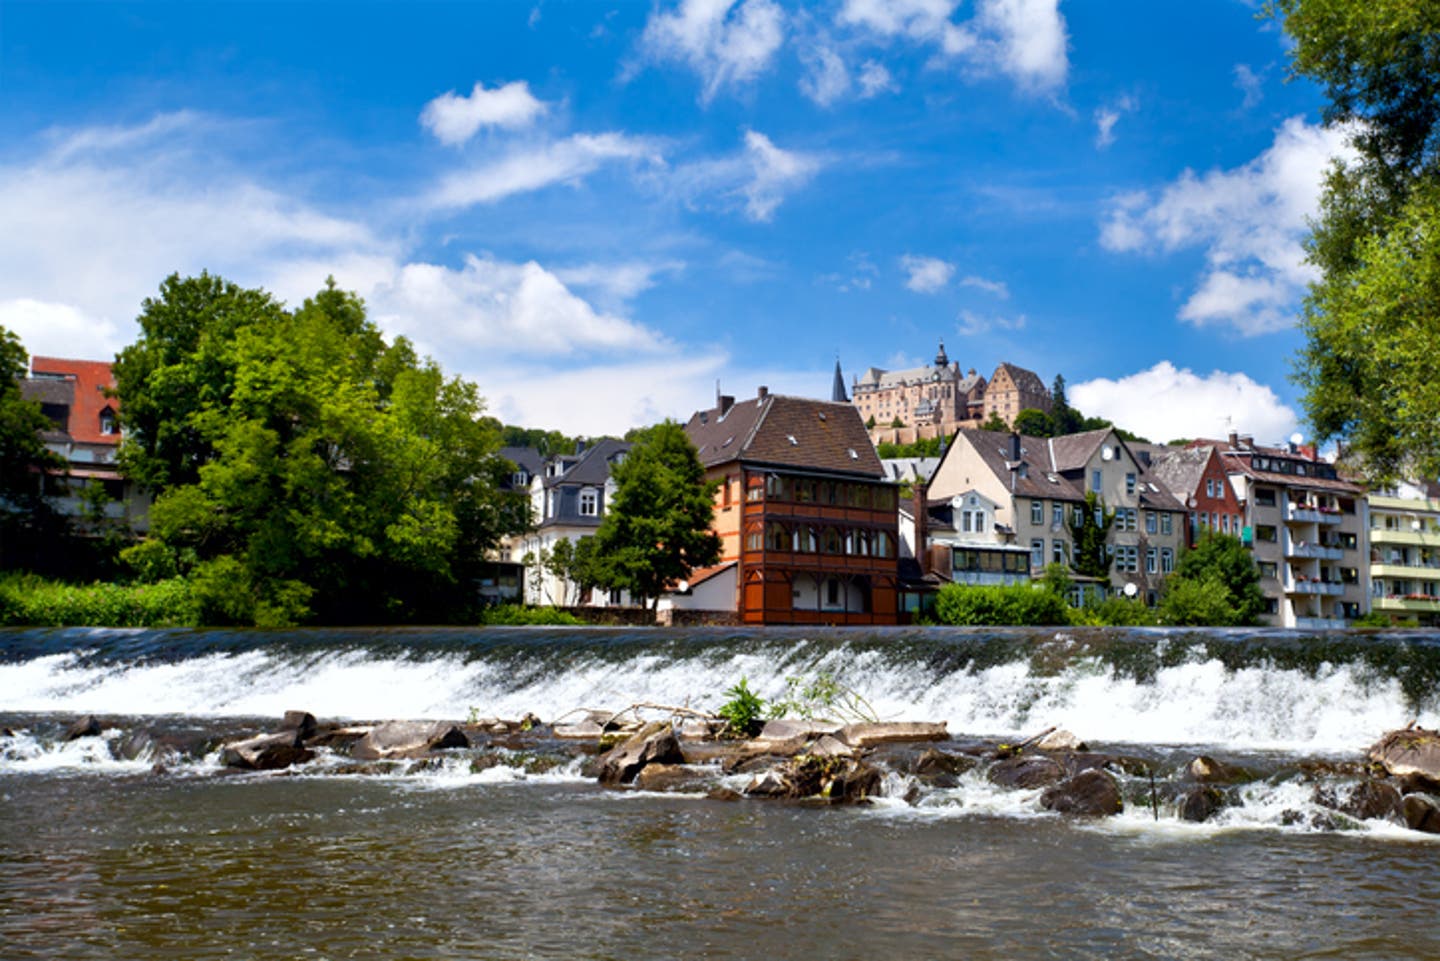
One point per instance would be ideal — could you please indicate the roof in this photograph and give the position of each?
(92, 379)
(1025, 380)
(910, 468)
(702, 574)
(877, 377)
(593, 467)
(1240, 462)
(783, 431)
(527, 458)
(1071, 452)
(1182, 469)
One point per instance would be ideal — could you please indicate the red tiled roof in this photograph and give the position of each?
(92, 379)
(786, 431)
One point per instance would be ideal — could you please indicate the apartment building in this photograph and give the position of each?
(1405, 552)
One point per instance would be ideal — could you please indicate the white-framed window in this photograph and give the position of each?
(1057, 551)
(1037, 552)
(589, 502)
(1057, 514)
(1037, 512)
(1129, 483)
(1149, 522)
(1167, 560)
(1097, 480)
(1209, 487)
(1166, 524)
(1152, 560)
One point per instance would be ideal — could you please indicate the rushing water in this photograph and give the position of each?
(137, 844)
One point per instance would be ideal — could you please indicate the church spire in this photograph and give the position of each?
(940, 359)
(837, 389)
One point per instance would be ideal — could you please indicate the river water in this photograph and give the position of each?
(137, 844)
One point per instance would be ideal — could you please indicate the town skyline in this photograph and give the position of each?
(631, 203)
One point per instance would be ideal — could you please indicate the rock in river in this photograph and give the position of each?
(1413, 753)
(408, 739)
(652, 744)
(1091, 794)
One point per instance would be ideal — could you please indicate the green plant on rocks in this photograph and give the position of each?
(822, 698)
(744, 713)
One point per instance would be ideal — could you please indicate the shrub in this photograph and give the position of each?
(32, 601)
(518, 615)
(1014, 604)
(744, 713)
(1114, 612)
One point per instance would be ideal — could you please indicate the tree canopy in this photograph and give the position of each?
(23, 454)
(1370, 321)
(1215, 583)
(657, 527)
(303, 466)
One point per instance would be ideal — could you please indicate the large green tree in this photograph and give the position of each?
(319, 472)
(1371, 321)
(1090, 534)
(1215, 583)
(25, 518)
(657, 527)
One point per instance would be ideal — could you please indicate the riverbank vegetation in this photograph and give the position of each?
(29, 600)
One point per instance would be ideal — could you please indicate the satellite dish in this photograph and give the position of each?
(1297, 438)
(1107, 454)
(1191, 503)
(1131, 590)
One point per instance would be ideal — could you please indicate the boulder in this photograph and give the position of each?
(827, 746)
(1413, 753)
(854, 783)
(300, 721)
(587, 727)
(1060, 740)
(769, 784)
(1025, 771)
(1092, 794)
(1200, 803)
(653, 744)
(785, 729)
(87, 726)
(408, 739)
(1374, 801)
(1206, 770)
(890, 732)
(670, 778)
(1422, 813)
(267, 752)
(942, 768)
(724, 794)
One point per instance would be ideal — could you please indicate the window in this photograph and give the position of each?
(1265, 532)
(1209, 487)
(1224, 523)
(1127, 558)
(1152, 560)
(1097, 480)
(754, 541)
(1167, 560)
(1149, 522)
(1057, 552)
(1265, 496)
(1037, 553)
(1166, 525)
(1204, 518)
(1268, 570)
(832, 591)
(1037, 512)
(1057, 514)
(1130, 484)
(589, 502)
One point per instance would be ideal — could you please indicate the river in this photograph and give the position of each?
(104, 854)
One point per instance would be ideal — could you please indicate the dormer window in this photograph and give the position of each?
(107, 422)
(589, 502)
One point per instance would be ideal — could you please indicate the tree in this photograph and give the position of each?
(1370, 318)
(1089, 532)
(1064, 418)
(26, 519)
(318, 472)
(1231, 582)
(1034, 423)
(996, 423)
(656, 529)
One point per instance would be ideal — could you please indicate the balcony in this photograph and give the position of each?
(1307, 514)
(1409, 603)
(1416, 572)
(1294, 548)
(1324, 588)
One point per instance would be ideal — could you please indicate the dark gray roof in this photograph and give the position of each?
(526, 457)
(592, 468)
(786, 431)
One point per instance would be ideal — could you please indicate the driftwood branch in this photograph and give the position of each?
(667, 708)
(1010, 750)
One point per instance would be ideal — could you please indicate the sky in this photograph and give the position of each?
(600, 211)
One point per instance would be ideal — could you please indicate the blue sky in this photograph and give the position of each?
(598, 210)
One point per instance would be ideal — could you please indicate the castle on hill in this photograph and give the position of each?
(902, 406)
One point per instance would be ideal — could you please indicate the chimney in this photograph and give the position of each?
(1247, 441)
(763, 392)
(922, 527)
(1014, 446)
(725, 402)
(1234, 440)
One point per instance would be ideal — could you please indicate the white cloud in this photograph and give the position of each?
(826, 79)
(860, 275)
(1165, 402)
(759, 177)
(927, 274)
(1250, 84)
(454, 119)
(57, 330)
(1251, 222)
(617, 281)
(973, 324)
(725, 43)
(500, 307)
(995, 287)
(875, 79)
(533, 168)
(1024, 40)
(1107, 117)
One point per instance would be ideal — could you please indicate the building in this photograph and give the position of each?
(1405, 552)
(79, 398)
(1307, 528)
(568, 499)
(1029, 491)
(1012, 389)
(806, 520)
(1196, 476)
